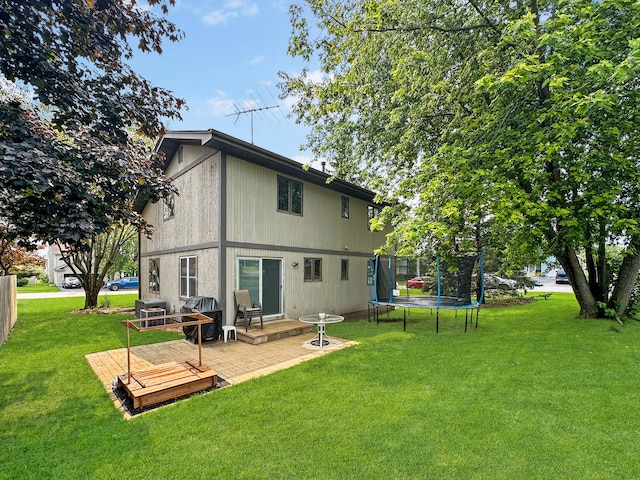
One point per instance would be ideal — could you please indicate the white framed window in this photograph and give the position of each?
(188, 277)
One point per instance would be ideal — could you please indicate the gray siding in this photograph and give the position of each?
(252, 227)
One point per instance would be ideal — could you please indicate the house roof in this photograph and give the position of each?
(172, 139)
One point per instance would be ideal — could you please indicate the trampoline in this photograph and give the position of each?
(453, 288)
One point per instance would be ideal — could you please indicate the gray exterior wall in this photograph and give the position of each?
(227, 209)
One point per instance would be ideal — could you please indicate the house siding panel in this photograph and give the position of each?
(254, 215)
(252, 227)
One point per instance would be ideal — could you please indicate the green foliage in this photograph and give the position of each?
(73, 163)
(512, 127)
(126, 258)
(22, 281)
(105, 302)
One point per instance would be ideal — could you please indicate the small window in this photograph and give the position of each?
(188, 276)
(344, 212)
(154, 275)
(169, 206)
(180, 154)
(344, 269)
(289, 196)
(372, 212)
(370, 272)
(312, 269)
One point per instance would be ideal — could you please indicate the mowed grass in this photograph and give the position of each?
(37, 288)
(534, 392)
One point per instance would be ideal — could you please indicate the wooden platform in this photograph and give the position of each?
(273, 330)
(167, 381)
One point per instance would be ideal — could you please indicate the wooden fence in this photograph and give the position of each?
(8, 306)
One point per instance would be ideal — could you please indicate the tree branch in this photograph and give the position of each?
(489, 23)
(437, 28)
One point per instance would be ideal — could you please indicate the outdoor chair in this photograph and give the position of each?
(245, 309)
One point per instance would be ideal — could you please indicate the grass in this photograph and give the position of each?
(534, 392)
(38, 288)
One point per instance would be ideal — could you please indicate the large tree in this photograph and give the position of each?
(523, 116)
(97, 255)
(71, 170)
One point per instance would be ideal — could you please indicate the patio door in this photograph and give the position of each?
(263, 278)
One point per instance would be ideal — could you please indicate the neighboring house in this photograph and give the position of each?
(546, 268)
(247, 218)
(57, 270)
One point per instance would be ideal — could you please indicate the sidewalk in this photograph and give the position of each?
(69, 293)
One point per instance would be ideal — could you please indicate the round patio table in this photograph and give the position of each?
(321, 320)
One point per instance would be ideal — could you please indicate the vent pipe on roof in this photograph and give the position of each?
(323, 164)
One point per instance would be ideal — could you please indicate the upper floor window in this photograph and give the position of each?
(289, 196)
(312, 269)
(154, 275)
(188, 276)
(344, 211)
(168, 207)
(372, 212)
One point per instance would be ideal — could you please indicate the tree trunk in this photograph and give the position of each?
(92, 286)
(579, 283)
(91, 298)
(626, 282)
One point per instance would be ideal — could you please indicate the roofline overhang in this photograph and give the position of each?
(169, 143)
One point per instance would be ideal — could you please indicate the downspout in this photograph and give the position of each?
(222, 234)
(139, 266)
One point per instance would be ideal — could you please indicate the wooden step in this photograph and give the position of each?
(273, 330)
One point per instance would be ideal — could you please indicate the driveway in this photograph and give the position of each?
(549, 285)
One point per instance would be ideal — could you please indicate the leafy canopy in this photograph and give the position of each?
(71, 165)
(512, 124)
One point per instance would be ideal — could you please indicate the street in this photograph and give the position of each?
(69, 293)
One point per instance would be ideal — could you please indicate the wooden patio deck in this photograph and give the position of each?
(235, 361)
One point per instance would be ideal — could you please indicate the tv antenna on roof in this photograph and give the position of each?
(251, 107)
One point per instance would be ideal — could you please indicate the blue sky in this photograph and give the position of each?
(230, 57)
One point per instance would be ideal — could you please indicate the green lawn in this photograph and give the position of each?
(534, 392)
(39, 288)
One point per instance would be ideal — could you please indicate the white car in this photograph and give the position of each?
(71, 282)
(493, 281)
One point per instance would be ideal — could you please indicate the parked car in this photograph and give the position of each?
(417, 282)
(71, 282)
(124, 282)
(561, 277)
(492, 280)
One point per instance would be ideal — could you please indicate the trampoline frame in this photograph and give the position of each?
(430, 301)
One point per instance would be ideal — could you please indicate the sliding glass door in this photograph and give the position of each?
(263, 278)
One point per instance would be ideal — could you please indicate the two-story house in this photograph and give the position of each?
(247, 218)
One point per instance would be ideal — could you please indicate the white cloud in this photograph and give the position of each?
(220, 105)
(257, 60)
(230, 10)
